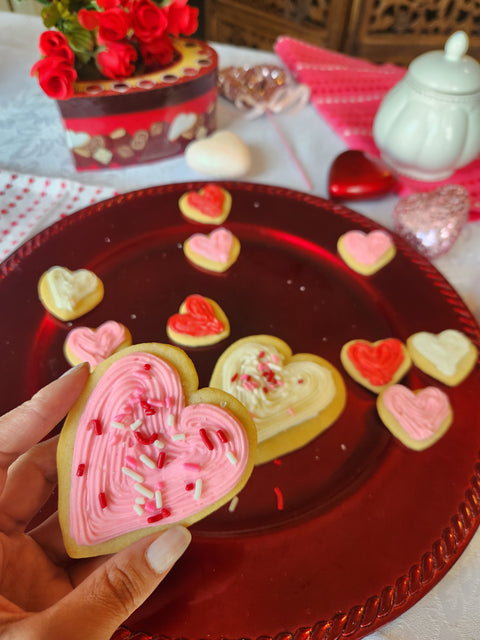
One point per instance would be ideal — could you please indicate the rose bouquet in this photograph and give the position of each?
(114, 39)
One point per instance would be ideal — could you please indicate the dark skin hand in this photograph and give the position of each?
(45, 595)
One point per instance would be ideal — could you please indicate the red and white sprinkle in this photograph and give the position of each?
(143, 490)
(158, 443)
(135, 425)
(233, 504)
(147, 461)
(138, 509)
(117, 425)
(132, 474)
(178, 436)
(171, 419)
(198, 489)
(158, 499)
(231, 457)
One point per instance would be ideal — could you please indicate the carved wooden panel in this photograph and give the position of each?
(258, 23)
(399, 30)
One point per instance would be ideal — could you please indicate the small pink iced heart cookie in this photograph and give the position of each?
(143, 449)
(216, 251)
(417, 418)
(292, 398)
(69, 294)
(366, 253)
(84, 344)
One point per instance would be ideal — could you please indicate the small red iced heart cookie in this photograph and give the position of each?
(366, 252)
(210, 205)
(375, 365)
(418, 419)
(355, 175)
(199, 322)
(216, 251)
(84, 344)
(142, 449)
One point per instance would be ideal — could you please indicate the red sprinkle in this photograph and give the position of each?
(221, 436)
(96, 425)
(206, 440)
(277, 461)
(145, 439)
(80, 470)
(300, 381)
(190, 486)
(233, 378)
(279, 494)
(165, 512)
(102, 500)
(261, 354)
(155, 518)
(161, 459)
(147, 366)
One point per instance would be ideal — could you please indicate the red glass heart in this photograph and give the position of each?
(355, 175)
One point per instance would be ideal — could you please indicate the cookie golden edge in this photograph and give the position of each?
(189, 379)
(300, 435)
(82, 308)
(363, 269)
(355, 374)
(464, 367)
(212, 265)
(194, 214)
(184, 340)
(396, 429)
(73, 359)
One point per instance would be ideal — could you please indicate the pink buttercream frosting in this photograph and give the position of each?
(367, 248)
(215, 246)
(95, 345)
(419, 414)
(142, 458)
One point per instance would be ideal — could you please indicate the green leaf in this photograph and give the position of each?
(78, 38)
(50, 16)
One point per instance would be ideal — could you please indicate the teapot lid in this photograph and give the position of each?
(449, 71)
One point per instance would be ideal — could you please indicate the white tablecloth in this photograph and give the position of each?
(32, 142)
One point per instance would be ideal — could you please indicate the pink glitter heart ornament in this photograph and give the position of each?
(431, 222)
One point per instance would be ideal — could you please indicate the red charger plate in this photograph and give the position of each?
(367, 526)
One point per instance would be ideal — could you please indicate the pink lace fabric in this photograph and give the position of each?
(347, 92)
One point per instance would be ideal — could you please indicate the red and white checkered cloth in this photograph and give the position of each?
(28, 204)
(347, 92)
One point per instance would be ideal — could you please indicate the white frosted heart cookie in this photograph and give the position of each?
(210, 205)
(84, 344)
(448, 356)
(69, 294)
(143, 449)
(417, 418)
(199, 322)
(376, 365)
(216, 251)
(366, 253)
(292, 398)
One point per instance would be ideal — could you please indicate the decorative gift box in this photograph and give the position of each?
(114, 123)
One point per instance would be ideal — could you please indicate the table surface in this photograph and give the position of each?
(32, 142)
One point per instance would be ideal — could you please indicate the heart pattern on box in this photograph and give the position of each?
(142, 457)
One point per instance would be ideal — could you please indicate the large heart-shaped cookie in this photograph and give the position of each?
(69, 294)
(84, 344)
(292, 398)
(210, 205)
(200, 322)
(376, 364)
(143, 449)
(216, 251)
(366, 252)
(417, 418)
(448, 356)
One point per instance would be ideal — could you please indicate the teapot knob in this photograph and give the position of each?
(456, 46)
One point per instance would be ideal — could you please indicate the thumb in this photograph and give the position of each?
(108, 596)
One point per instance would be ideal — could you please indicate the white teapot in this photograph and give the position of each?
(428, 125)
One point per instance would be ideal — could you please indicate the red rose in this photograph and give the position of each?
(157, 54)
(88, 19)
(113, 25)
(55, 76)
(149, 22)
(109, 4)
(116, 60)
(182, 19)
(54, 43)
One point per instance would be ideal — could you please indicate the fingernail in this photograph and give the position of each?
(75, 368)
(168, 548)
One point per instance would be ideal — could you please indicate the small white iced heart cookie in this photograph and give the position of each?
(417, 418)
(292, 398)
(221, 155)
(448, 356)
(69, 294)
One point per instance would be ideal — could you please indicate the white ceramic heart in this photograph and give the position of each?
(222, 155)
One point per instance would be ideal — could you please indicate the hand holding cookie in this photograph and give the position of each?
(82, 601)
